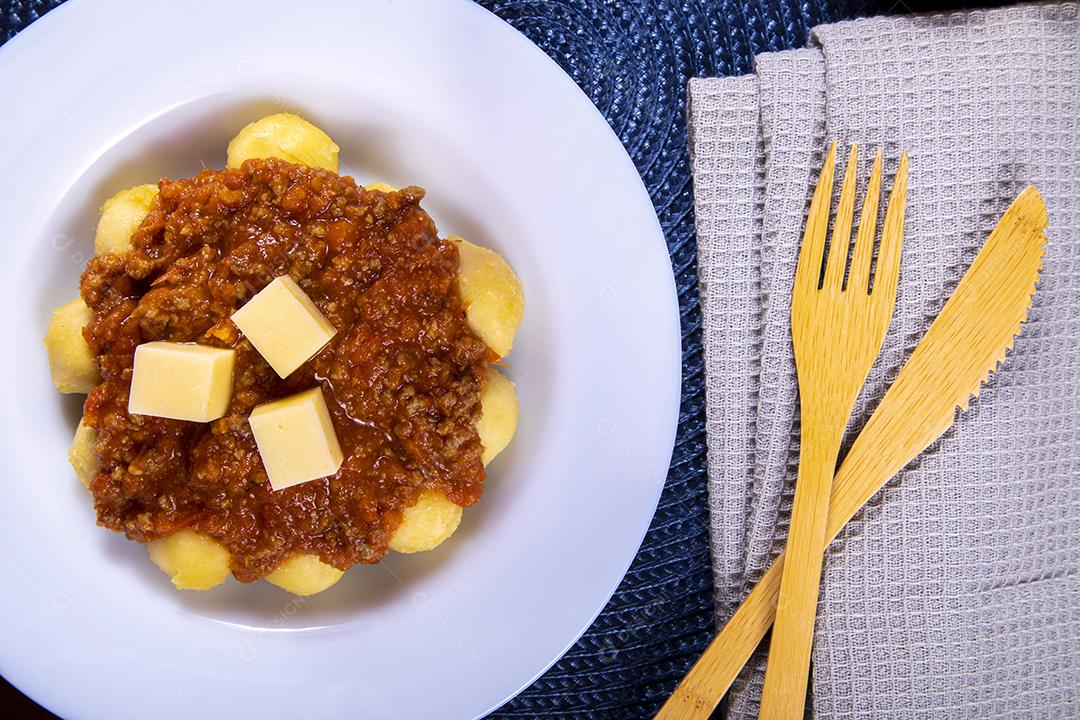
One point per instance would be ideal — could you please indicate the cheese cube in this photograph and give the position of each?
(284, 325)
(182, 381)
(296, 439)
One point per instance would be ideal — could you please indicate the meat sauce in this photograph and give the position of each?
(403, 376)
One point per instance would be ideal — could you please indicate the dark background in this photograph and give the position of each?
(633, 58)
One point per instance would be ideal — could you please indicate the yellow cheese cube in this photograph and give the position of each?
(181, 381)
(296, 439)
(284, 325)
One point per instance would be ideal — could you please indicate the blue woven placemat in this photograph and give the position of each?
(633, 58)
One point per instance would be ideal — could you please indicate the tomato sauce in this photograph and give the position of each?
(403, 376)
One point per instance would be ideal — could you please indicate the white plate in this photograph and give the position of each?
(106, 94)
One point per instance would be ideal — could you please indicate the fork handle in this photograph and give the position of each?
(786, 675)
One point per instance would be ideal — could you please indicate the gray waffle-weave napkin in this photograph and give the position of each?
(956, 593)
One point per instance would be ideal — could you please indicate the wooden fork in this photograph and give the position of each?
(837, 329)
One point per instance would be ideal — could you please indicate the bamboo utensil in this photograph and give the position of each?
(837, 329)
(963, 346)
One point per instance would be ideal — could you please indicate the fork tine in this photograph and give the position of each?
(888, 265)
(859, 277)
(808, 271)
(841, 234)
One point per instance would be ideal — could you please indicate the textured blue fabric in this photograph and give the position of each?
(634, 59)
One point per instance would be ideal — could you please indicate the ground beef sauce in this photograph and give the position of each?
(402, 377)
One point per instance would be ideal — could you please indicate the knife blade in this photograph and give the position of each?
(963, 346)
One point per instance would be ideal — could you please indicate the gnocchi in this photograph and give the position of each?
(428, 523)
(287, 137)
(74, 367)
(82, 456)
(304, 575)
(193, 561)
(121, 216)
(494, 301)
(499, 414)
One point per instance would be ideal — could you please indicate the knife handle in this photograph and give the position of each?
(712, 675)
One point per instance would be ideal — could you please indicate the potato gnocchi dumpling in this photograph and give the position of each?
(193, 561)
(287, 137)
(494, 301)
(499, 414)
(494, 305)
(429, 522)
(81, 454)
(74, 368)
(304, 575)
(121, 216)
